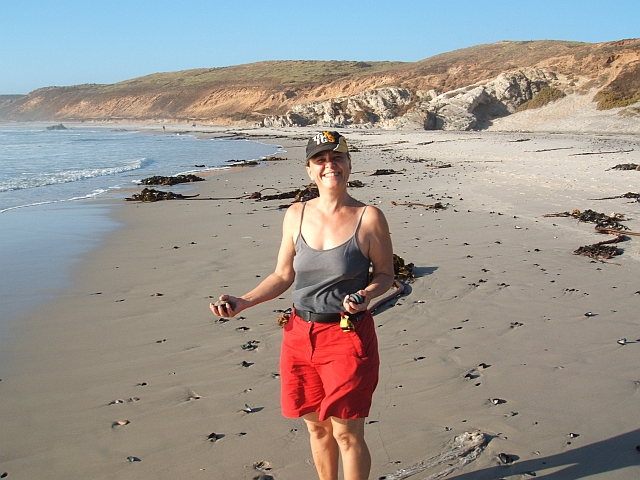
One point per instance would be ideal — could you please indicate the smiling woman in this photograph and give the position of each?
(329, 359)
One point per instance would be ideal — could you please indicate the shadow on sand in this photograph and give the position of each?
(608, 455)
(424, 271)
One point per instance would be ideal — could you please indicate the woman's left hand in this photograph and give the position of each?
(353, 308)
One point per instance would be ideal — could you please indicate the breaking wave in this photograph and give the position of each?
(40, 179)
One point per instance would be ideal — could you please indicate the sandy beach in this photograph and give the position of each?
(490, 337)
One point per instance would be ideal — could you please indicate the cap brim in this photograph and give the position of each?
(340, 147)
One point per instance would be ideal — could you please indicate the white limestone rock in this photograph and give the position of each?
(467, 108)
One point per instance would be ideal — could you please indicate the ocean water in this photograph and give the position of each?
(40, 166)
(49, 181)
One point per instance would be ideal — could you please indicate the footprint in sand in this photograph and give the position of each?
(263, 465)
(251, 345)
(187, 396)
(471, 375)
(214, 437)
(506, 459)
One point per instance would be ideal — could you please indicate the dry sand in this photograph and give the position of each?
(496, 284)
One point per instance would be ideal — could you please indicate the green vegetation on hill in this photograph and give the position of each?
(272, 73)
(545, 96)
(623, 91)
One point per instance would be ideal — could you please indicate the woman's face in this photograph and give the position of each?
(329, 169)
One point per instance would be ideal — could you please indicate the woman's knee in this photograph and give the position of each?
(348, 433)
(317, 428)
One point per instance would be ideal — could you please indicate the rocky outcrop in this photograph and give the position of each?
(59, 126)
(474, 107)
(466, 108)
(368, 107)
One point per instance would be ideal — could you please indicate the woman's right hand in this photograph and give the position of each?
(228, 306)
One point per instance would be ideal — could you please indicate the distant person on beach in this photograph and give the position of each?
(329, 360)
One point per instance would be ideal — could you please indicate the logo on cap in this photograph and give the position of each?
(324, 137)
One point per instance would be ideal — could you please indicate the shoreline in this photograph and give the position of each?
(486, 292)
(46, 237)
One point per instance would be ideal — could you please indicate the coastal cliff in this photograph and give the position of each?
(462, 90)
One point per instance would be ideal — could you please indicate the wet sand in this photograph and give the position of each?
(496, 311)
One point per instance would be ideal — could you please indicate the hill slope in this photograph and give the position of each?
(483, 82)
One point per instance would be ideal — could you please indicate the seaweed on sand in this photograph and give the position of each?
(301, 194)
(402, 271)
(383, 171)
(601, 250)
(387, 171)
(434, 206)
(152, 195)
(168, 181)
(626, 166)
(601, 220)
(624, 195)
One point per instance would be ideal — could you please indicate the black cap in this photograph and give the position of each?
(323, 141)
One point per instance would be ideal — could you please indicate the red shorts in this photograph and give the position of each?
(324, 369)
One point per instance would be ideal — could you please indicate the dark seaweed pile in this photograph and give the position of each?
(402, 271)
(152, 195)
(386, 171)
(160, 180)
(601, 250)
(601, 220)
(626, 166)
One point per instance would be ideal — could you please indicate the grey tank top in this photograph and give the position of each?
(325, 277)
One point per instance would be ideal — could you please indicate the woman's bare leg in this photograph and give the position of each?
(323, 446)
(356, 459)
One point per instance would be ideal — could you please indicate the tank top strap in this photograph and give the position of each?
(304, 204)
(359, 220)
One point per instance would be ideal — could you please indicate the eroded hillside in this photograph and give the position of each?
(464, 89)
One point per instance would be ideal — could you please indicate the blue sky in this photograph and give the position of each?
(45, 43)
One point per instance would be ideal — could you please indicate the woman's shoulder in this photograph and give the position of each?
(295, 208)
(292, 217)
(373, 218)
(293, 213)
(372, 211)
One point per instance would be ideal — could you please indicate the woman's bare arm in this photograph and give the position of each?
(276, 283)
(375, 240)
